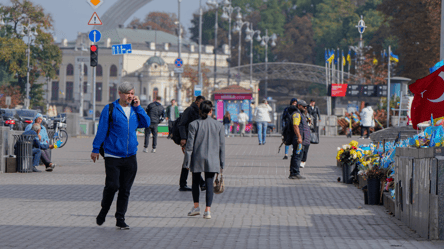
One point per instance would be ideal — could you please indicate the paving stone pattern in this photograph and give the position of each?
(260, 208)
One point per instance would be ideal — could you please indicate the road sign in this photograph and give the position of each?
(178, 62)
(95, 3)
(178, 70)
(26, 103)
(90, 111)
(80, 59)
(122, 49)
(197, 90)
(95, 35)
(95, 20)
(8, 100)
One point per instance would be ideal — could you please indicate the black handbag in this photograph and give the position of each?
(314, 138)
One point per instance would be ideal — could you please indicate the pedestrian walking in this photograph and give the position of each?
(299, 124)
(262, 117)
(172, 113)
(156, 112)
(227, 123)
(307, 136)
(204, 152)
(243, 119)
(119, 139)
(45, 153)
(189, 115)
(367, 115)
(313, 110)
(287, 116)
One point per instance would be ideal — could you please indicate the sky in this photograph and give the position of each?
(72, 16)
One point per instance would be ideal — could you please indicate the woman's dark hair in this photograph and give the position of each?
(205, 107)
(227, 114)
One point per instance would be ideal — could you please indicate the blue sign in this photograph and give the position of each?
(95, 35)
(90, 111)
(197, 93)
(178, 62)
(437, 66)
(122, 49)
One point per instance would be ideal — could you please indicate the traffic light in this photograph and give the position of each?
(94, 55)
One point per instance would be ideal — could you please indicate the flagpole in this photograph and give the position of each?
(349, 62)
(338, 72)
(388, 88)
(342, 57)
(326, 75)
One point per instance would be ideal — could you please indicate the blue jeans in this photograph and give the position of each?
(287, 147)
(36, 153)
(227, 129)
(261, 131)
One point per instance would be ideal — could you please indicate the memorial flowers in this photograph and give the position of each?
(349, 153)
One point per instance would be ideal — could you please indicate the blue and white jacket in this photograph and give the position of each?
(122, 139)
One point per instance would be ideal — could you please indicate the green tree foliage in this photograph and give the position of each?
(45, 56)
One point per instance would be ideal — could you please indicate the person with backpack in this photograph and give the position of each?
(204, 152)
(286, 117)
(118, 139)
(297, 134)
(172, 113)
(156, 112)
(189, 115)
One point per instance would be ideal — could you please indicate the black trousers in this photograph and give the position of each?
(46, 157)
(152, 129)
(209, 178)
(170, 128)
(296, 158)
(184, 177)
(363, 128)
(120, 174)
(305, 153)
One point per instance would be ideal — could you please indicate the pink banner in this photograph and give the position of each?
(220, 110)
(232, 96)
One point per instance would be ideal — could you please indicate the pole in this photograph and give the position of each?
(200, 43)
(229, 45)
(251, 55)
(27, 70)
(47, 94)
(388, 88)
(266, 65)
(179, 77)
(342, 57)
(338, 70)
(81, 89)
(215, 46)
(442, 32)
(94, 97)
(239, 55)
(326, 75)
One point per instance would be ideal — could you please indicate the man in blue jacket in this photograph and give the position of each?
(120, 146)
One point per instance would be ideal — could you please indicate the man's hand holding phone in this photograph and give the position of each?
(135, 102)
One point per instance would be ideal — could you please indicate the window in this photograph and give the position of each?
(85, 70)
(113, 71)
(144, 91)
(85, 87)
(99, 91)
(69, 70)
(55, 90)
(69, 90)
(155, 93)
(57, 71)
(99, 71)
(112, 92)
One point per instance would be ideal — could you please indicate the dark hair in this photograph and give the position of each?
(242, 110)
(367, 105)
(293, 100)
(172, 100)
(227, 114)
(200, 97)
(205, 107)
(312, 100)
(158, 98)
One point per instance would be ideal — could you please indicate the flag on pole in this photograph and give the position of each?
(394, 57)
(349, 57)
(343, 58)
(331, 56)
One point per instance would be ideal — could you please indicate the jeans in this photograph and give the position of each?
(209, 178)
(287, 147)
(152, 129)
(120, 174)
(36, 153)
(363, 128)
(184, 177)
(296, 158)
(242, 128)
(262, 131)
(305, 153)
(227, 129)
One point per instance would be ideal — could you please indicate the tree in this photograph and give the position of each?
(161, 21)
(45, 56)
(193, 76)
(11, 91)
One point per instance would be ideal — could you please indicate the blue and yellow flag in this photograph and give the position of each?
(343, 58)
(375, 61)
(331, 56)
(394, 57)
(349, 58)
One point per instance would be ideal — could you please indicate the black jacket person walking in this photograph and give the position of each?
(189, 115)
(156, 112)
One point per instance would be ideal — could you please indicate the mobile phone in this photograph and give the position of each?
(132, 102)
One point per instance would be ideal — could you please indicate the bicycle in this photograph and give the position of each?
(60, 133)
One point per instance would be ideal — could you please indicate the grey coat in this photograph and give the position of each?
(205, 148)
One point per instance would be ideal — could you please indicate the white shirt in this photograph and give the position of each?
(127, 111)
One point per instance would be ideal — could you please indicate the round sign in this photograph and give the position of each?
(95, 35)
(361, 26)
(178, 62)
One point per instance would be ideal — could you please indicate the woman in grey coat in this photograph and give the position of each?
(204, 152)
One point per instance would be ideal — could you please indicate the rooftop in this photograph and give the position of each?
(233, 89)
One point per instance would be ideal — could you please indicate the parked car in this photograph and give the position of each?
(9, 117)
(26, 117)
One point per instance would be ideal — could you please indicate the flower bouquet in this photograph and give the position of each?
(348, 156)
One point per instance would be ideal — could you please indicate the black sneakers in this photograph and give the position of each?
(120, 224)
(100, 220)
(285, 157)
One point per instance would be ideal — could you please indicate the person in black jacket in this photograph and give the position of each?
(189, 115)
(313, 110)
(156, 112)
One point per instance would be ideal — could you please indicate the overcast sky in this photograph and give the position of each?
(72, 16)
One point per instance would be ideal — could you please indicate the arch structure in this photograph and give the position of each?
(288, 71)
(120, 12)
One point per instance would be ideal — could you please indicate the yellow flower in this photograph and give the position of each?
(353, 143)
(417, 143)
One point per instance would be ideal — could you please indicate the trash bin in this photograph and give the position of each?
(23, 151)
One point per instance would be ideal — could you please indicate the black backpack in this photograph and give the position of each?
(287, 131)
(175, 130)
(110, 120)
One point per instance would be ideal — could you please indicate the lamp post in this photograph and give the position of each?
(179, 42)
(228, 10)
(29, 33)
(238, 28)
(214, 4)
(200, 44)
(249, 38)
(265, 40)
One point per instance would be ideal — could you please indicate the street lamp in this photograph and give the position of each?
(179, 42)
(29, 33)
(249, 38)
(265, 40)
(214, 4)
(228, 11)
(238, 28)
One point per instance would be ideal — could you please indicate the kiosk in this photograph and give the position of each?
(233, 99)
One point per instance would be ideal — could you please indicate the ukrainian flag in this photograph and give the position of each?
(331, 56)
(394, 57)
(343, 58)
(375, 61)
(349, 58)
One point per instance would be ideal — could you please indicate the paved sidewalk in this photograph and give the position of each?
(260, 208)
